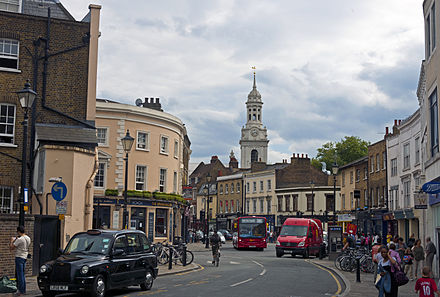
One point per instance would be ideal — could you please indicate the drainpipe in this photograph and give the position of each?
(88, 206)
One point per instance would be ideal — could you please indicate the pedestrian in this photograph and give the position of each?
(400, 247)
(215, 245)
(20, 245)
(411, 241)
(430, 251)
(385, 282)
(425, 285)
(419, 256)
(408, 261)
(395, 254)
(375, 239)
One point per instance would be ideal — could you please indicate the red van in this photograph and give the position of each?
(300, 237)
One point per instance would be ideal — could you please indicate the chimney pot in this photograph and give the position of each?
(151, 100)
(400, 121)
(307, 156)
(302, 155)
(386, 131)
(395, 122)
(157, 100)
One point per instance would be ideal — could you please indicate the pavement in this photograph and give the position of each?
(366, 286)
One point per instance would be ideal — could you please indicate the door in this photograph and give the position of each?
(46, 240)
(138, 217)
(119, 264)
(135, 257)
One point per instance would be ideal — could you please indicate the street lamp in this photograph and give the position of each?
(26, 97)
(335, 173)
(312, 185)
(127, 143)
(208, 181)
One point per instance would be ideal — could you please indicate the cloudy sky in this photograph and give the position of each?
(325, 69)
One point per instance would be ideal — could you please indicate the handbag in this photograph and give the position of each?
(400, 277)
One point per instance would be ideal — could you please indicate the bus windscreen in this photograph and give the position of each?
(252, 228)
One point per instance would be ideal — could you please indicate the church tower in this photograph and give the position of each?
(253, 142)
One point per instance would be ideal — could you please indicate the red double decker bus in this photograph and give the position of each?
(250, 232)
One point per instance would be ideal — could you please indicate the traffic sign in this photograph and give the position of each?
(61, 207)
(59, 191)
(26, 195)
(61, 217)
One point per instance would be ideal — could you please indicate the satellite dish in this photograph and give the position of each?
(138, 102)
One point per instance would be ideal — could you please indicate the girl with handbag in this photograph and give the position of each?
(385, 283)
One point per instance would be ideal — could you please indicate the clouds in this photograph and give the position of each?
(325, 69)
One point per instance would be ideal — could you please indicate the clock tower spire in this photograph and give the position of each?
(253, 142)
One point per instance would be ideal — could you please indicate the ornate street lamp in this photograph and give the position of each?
(208, 181)
(335, 169)
(127, 143)
(26, 97)
(312, 186)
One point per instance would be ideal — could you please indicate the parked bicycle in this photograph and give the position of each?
(347, 260)
(163, 250)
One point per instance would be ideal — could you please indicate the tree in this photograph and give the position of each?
(347, 150)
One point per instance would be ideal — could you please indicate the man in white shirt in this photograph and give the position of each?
(20, 245)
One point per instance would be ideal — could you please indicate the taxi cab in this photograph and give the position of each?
(96, 261)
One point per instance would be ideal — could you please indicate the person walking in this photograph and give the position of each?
(408, 261)
(419, 257)
(385, 283)
(425, 285)
(430, 251)
(20, 245)
(411, 241)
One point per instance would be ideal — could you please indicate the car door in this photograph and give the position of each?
(119, 265)
(134, 256)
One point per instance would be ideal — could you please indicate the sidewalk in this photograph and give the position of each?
(33, 290)
(366, 286)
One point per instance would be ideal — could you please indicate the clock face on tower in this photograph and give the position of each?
(254, 132)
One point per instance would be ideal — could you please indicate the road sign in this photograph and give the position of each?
(26, 195)
(59, 191)
(61, 217)
(61, 207)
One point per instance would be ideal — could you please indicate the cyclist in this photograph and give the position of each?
(215, 245)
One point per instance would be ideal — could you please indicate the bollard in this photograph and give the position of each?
(170, 262)
(184, 255)
(358, 270)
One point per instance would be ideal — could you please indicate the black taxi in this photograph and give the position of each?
(99, 260)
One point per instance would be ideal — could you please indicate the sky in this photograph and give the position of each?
(325, 69)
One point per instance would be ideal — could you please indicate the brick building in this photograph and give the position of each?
(41, 42)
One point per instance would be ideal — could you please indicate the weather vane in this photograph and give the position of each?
(253, 67)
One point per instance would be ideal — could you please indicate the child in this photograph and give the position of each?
(408, 260)
(425, 285)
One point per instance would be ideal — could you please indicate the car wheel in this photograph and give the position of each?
(148, 282)
(306, 254)
(48, 293)
(279, 254)
(98, 289)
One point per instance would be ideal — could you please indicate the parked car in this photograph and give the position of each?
(99, 260)
(226, 234)
(300, 236)
(222, 238)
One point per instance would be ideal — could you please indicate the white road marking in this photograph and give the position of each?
(236, 263)
(263, 272)
(240, 283)
(261, 265)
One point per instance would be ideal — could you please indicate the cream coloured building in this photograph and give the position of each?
(156, 167)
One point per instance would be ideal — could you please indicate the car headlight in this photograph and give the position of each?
(278, 243)
(301, 243)
(43, 269)
(84, 269)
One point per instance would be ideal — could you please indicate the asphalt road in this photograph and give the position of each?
(245, 273)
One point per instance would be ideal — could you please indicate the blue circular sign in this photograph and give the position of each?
(59, 191)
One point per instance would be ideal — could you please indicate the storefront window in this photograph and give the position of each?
(161, 222)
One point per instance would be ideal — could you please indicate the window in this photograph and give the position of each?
(372, 197)
(221, 189)
(358, 175)
(287, 202)
(351, 177)
(394, 167)
(343, 201)
(261, 186)
(247, 206)
(430, 32)
(238, 187)
(433, 38)
(343, 178)
(140, 177)
(6, 199)
(100, 175)
(372, 164)
(7, 123)
(280, 203)
(176, 149)
(161, 222)
(351, 200)
(377, 162)
(143, 141)
(102, 136)
(365, 198)
(269, 206)
(254, 156)
(309, 202)
(10, 5)
(269, 185)
(406, 160)
(433, 122)
(247, 188)
(226, 189)
(8, 52)
(254, 187)
(162, 180)
(175, 182)
(406, 193)
(329, 202)
(261, 205)
(134, 243)
(164, 144)
(384, 161)
(295, 202)
(417, 149)
(237, 206)
(254, 205)
(365, 172)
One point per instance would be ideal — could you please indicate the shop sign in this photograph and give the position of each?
(166, 204)
(351, 228)
(388, 217)
(115, 222)
(434, 199)
(420, 201)
(432, 187)
(345, 218)
(399, 215)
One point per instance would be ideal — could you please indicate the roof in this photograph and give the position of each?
(40, 8)
(355, 162)
(63, 133)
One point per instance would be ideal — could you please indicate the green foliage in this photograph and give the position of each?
(348, 149)
(111, 192)
(149, 195)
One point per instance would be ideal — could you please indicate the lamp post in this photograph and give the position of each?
(26, 97)
(127, 143)
(312, 185)
(335, 173)
(208, 181)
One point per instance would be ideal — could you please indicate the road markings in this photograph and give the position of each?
(331, 273)
(234, 263)
(240, 283)
(152, 292)
(261, 265)
(263, 272)
(200, 267)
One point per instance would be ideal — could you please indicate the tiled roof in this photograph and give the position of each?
(62, 133)
(39, 8)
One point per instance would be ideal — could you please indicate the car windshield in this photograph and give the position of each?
(294, 230)
(252, 228)
(84, 243)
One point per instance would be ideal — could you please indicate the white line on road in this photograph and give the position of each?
(261, 265)
(245, 281)
(263, 272)
(236, 263)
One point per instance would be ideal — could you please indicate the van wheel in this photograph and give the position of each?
(279, 254)
(306, 254)
(148, 282)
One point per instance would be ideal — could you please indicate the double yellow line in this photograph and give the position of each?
(332, 274)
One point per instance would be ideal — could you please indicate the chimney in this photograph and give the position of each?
(307, 156)
(302, 155)
(213, 159)
(151, 100)
(157, 100)
(400, 121)
(395, 122)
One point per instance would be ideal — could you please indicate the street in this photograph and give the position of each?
(242, 273)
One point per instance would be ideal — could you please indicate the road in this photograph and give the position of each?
(243, 273)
